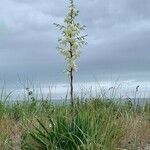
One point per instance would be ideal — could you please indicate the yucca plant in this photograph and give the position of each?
(70, 42)
(60, 135)
(92, 128)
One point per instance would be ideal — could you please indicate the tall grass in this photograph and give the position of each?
(97, 124)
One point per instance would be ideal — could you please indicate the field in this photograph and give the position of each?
(93, 124)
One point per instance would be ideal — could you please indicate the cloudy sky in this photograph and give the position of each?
(118, 41)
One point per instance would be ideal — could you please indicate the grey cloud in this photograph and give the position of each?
(118, 38)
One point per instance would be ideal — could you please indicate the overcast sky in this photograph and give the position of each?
(118, 40)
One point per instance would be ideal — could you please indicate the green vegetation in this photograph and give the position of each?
(97, 124)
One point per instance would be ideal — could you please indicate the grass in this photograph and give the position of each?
(96, 124)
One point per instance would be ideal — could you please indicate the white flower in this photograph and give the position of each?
(70, 42)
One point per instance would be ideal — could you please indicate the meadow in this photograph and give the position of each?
(95, 123)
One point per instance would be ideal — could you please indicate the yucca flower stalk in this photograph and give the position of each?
(70, 42)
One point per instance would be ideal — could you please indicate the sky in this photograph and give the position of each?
(118, 42)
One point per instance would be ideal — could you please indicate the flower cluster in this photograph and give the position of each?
(71, 39)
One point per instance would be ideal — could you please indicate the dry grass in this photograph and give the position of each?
(136, 133)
